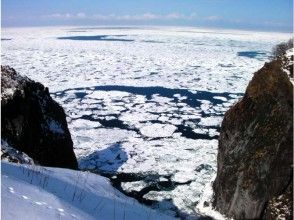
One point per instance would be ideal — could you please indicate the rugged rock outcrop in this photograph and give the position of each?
(33, 123)
(10, 154)
(255, 157)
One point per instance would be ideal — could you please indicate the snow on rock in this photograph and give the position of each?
(10, 84)
(288, 62)
(33, 192)
(289, 54)
(158, 130)
(10, 154)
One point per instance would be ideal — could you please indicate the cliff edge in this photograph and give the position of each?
(255, 155)
(33, 123)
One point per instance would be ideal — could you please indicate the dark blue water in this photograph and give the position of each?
(97, 38)
(252, 54)
(153, 41)
(192, 98)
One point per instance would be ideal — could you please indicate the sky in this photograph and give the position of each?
(264, 15)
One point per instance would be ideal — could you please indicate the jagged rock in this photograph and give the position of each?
(32, 122)
(10, 154)
(255, 153)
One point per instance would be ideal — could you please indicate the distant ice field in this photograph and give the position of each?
(144, 104)
(187, 58)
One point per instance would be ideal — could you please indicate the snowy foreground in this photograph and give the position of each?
(34, 192)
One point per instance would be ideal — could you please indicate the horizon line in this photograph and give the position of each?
(154, 26)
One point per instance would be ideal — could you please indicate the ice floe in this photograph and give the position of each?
(158, 130)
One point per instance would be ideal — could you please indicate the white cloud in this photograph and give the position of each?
(126, 17)
(65, 16)
(175, 16)
(149, 16)
(81, 15)
(145, 17)
(103, 17)
(212, 18)
(56, 15)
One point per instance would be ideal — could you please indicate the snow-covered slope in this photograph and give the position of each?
(34, 192)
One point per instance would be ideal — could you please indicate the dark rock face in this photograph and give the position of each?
(255, 157)
(32, 122)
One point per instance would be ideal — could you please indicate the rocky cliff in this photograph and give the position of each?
(33, 123)
(255, 157)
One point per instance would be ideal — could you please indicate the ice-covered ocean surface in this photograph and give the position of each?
(144, 105)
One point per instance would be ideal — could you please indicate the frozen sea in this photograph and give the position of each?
(144, 104)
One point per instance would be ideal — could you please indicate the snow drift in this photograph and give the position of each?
(35, 192)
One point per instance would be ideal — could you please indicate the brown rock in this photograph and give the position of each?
(255, 147)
